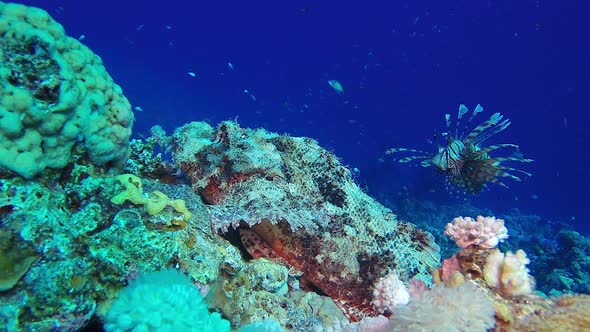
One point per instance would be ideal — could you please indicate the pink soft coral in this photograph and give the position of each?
(389, 292)
(485, 232)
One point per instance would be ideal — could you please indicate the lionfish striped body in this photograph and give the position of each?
(464, 160)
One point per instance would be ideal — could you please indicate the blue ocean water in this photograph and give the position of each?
(402, 65)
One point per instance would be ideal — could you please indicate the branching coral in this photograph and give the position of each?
(485, 232)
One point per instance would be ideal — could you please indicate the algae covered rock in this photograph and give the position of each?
(71, 250)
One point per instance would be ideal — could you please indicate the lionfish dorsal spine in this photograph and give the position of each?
(462, 110)
(492, 122)
(478, 109)
(493, 131)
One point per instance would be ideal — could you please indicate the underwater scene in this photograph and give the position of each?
(294, 166)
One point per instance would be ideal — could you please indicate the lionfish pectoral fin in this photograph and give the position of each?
(425, 163)
(412, 158)
(483, 153)
(507, 175)
(418, 155)
(397, 150)
(519, 159)
(507, 169)
(499, 183)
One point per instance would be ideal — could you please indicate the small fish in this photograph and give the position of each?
(139, 27)
(137, 108)
(81, 37)
(230, 66)
(190, 73)
(336, 86)
(168, 27)
(246, 91)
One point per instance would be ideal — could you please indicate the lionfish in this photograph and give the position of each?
(464, 161)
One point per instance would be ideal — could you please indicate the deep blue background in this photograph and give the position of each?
(403, 64)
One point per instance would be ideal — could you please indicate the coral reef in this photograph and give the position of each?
(460, 308)
(389, 292)
(164, 300)
(16, 257)
(568, 313)
(484, 232)
(257, 292)
(57, 102)
(154, 202)
(88, 248)
(243, 229)
(558, 255)
(505, 280)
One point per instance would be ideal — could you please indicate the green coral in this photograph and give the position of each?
(16, 257)
(32, 68)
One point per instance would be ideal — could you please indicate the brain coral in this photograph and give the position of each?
(56, 99)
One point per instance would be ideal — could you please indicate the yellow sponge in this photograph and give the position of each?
(154, 203)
